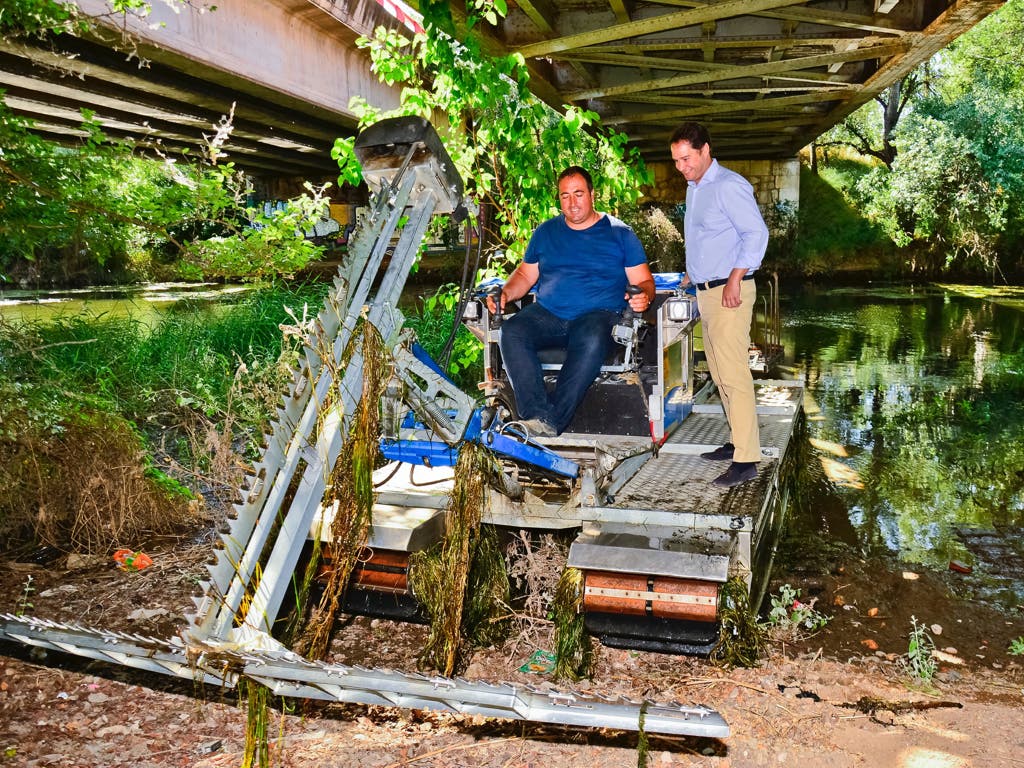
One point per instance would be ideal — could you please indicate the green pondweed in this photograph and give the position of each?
(919, 662)
(1016, 646)
(742, 639)
(788, 615)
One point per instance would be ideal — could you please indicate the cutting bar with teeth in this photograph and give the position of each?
(289, 675)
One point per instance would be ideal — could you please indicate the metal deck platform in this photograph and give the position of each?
(678, 480)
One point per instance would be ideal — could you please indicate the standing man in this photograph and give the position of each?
(581, 262)
(726, 239)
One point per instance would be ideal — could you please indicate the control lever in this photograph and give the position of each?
(624, 331)
(494, 292)
(631, 290)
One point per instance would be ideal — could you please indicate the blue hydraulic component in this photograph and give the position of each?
(435, 453)
(429, 453)
(531, 453)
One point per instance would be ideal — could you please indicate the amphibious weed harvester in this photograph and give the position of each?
(654, 540)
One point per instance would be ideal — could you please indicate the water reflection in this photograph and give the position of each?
(917, 419)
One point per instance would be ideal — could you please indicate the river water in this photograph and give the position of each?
(915, 419)
(146, 304)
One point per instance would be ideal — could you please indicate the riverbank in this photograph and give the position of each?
(831, 699)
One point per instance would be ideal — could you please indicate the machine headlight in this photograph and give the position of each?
(679, 310)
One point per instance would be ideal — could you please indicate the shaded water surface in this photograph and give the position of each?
(916, 426)
(144, 303)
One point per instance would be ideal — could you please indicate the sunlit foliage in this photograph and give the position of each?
(508, 146)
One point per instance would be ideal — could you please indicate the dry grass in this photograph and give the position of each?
(85, 489)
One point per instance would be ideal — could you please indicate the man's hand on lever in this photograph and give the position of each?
(639, 296)
(518, 285)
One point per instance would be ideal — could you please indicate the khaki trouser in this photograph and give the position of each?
(727, 344)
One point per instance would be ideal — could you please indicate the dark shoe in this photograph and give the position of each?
(738, 472)
(538, 428)
(724, 453)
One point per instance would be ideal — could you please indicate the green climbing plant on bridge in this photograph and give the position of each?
(508, 145)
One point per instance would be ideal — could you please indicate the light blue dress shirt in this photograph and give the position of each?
(723, 226)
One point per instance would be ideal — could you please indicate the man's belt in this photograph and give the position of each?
(715, 283)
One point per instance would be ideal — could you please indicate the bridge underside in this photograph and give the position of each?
(283, 71)
(766, 76)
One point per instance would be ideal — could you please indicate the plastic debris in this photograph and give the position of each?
(959, 567)
(127, 560)
(541, 663)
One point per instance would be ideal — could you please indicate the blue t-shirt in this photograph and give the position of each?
(583, 269)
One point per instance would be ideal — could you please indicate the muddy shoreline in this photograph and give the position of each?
(798, 707)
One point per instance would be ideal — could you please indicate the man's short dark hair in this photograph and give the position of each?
(576, 170)
(695, 134)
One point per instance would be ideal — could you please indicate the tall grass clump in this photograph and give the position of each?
(178, 402)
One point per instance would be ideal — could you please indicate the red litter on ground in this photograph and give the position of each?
(959, 567)
(127, 560)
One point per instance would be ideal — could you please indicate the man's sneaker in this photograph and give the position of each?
(538, 428)
(738, 472)
(724, 453)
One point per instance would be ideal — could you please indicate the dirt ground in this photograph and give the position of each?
(800, 707)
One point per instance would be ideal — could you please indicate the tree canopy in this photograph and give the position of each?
(951, 176)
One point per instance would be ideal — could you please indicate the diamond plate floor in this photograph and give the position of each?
(678, 480)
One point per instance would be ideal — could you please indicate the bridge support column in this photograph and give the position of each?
(774, 181)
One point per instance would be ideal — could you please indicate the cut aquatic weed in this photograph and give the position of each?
(256, 697)
(351, 487)
(789, 617)
(440, 576)
(919, 662)
(574, 649)
(741, 638)
(1016, 646)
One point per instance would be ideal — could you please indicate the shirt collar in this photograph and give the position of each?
(709, 175)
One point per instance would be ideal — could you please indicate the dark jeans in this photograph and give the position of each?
(587, 341)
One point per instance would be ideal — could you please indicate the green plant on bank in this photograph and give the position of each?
(1016, 647)
(95, 211)
(508, 146)
(75, 213)
(788, 615)
(433, 325)
(25, 598)
(918, 661)
(168, 407)
(832, 232)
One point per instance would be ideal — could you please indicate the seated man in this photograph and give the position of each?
(581, 262)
